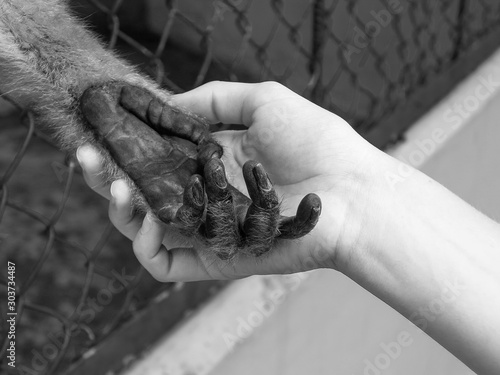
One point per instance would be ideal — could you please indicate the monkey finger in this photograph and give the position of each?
(221, 226)
(304, 221)
(190, 214)
(91, 165)
(216, 181)
(208, 150)
(179, 264)
(262, 218)
(162, 117)
(225, 102)
(260, 187)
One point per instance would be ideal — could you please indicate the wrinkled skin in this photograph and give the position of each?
(173, 160)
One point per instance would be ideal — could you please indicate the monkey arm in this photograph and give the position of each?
(82, 93)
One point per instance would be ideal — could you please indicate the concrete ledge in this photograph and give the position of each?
(215, 330)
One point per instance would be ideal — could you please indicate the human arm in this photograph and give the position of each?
(434, 258)
(414, 244)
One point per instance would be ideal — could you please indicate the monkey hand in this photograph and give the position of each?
(175, 164)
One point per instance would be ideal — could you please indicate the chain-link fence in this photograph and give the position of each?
(84, 304)
(76, 278)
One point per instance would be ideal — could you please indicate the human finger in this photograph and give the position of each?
(91, 165)
(120, 210)
(178, 264)
(230, 102)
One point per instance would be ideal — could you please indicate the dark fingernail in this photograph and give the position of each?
(208, 151)
(224, 255)
(218, 150)
(314, 216)
(198, 194)
(262, 178)
(219, 177)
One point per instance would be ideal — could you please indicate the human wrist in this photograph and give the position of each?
(348, 193)
(368, 210)
(420, 248)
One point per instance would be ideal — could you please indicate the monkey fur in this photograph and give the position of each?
(82, 93)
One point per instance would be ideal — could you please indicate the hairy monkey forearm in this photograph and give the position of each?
(48, 59)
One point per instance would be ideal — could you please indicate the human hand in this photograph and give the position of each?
(303, 148)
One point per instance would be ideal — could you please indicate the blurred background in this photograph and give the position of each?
(396, 70)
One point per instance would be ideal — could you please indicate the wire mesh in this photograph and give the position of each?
(77, 280)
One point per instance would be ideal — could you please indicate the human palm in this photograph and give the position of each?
(303, 148)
